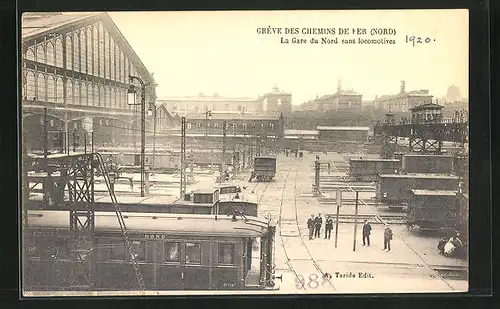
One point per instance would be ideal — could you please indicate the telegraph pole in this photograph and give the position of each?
(339, 202)
(223, 164)
(183, 157)
(355, 222)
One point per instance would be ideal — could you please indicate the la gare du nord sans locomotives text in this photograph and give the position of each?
(330, 31)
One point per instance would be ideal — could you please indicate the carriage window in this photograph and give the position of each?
(49, 248)
(115, 251)
(172, 252)
(226, 254)
(139, 248)
(193, 253)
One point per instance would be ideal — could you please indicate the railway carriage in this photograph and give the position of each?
(395, 190)
(174, 252)
(201, 202)
(368, 169)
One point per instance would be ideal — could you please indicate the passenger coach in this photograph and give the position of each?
(175, 252)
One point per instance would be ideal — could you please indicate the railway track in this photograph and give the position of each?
(436, 273)
(313, 260)
(290, 266)
(378, 219)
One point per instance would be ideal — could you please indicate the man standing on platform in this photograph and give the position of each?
(328, 227)
(367, 228)
(318, 222)
(310, 226)
(387, 238)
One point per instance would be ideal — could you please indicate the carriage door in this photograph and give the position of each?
(263, 260)
(194, 276)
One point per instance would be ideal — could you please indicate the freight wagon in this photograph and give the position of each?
(264, 168)
(395, 190)
(368, 169)
(424, 163)
(434, 209)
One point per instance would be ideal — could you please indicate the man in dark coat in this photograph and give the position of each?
(387, 238)
(318, 222)
(310, 226)
(367, 228)
(328, 227)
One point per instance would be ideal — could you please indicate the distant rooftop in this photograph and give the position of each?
(434, 192)
(425, 155)
(413, 93)
(426, 106)
(373, 160)
(234, 116)
(301, 132)
(205, 98)
(322, 128)
(425, 176)
(338, 93)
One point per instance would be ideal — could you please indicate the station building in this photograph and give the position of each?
(276, 101)
(271, 124)
(340, 100)
(403, 101)
(77, 67)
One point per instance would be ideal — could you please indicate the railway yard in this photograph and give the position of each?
(413, 263)
(317, 266)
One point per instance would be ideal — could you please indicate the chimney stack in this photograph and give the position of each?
(339, 85)
(402, 90)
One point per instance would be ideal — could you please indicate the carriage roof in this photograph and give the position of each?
(419, 176)
(434, 192)
(171, 224)
(373, 160)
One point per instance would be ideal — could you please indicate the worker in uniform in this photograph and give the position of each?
(318, 221)
(310, 226)
(387, 238)
(367, 228)
(328, 227)
(252, 176)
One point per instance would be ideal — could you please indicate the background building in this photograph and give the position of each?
(268, 103)
(403, 101)
(202, 103)
(271, 123)
(77, 66)
(276, 101)
(340, 100)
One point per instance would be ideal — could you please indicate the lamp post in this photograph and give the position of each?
(208, 113)
(152, 112)
(131, 98)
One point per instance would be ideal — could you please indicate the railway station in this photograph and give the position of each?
(241, 206)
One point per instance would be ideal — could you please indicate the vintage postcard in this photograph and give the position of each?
(244, 152)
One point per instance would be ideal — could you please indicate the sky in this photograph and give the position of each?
(222, 52)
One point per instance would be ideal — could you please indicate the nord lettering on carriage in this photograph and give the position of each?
(155, 236)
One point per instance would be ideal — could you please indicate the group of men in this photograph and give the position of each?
(314, 224)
